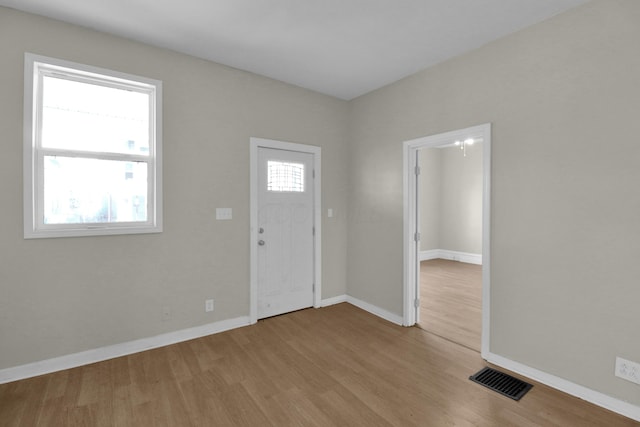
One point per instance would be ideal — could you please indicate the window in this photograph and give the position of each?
(285, 177)
(92, 158)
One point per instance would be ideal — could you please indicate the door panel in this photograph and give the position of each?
(285, 231)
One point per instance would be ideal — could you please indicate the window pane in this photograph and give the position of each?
(90, 117)
(285, 176)
(80, 191)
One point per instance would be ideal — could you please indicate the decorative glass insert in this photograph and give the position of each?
(285, 177)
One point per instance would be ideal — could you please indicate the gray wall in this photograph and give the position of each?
(451, 199)
(564, 98)
(430, 160)
(61, 296)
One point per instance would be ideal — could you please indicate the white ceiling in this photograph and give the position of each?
(343, 48)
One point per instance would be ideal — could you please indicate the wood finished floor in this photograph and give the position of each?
(451, 301)
(335, 366)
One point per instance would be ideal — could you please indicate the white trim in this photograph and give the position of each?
(466, 257)
(486, 240)
(333, 301)
(123, 349)
(75, 360)
(375, 310)
(430, 254)
(100, 354)
(36, 66)
(410, 246)
(117, 350)
(616, 405)
(256, 143)
(410, 225)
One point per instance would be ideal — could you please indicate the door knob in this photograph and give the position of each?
(261, 242)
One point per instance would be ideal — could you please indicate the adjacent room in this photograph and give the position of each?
(450, 198)
(207, 213)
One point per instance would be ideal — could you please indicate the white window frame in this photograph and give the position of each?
(35, 67)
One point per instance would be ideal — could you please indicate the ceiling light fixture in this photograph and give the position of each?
(463, 145)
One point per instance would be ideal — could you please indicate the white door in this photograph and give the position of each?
(285, 246)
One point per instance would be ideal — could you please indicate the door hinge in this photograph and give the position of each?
(416, 303)
(313, 231)
(313, 287)
(417, 170)
(416, 237)
(313, 174)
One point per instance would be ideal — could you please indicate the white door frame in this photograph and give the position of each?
(256, 143)
(411, 246)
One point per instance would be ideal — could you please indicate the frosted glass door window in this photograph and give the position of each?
(285, 177)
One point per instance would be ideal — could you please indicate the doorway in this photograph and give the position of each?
(285, 227)
(450, 225)
(413, 233)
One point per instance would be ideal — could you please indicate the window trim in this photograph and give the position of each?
(35, 67)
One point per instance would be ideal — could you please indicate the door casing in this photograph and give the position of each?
(255, 144)
(411, 246)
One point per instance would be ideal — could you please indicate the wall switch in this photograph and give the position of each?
(628, 370)
(330, 213)
(208, 305)
(224, 213)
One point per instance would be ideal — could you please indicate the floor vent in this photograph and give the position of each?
(502, 383)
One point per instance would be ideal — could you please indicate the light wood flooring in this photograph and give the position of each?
(451, 301)
(335, 366)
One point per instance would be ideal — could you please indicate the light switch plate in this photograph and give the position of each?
(224, 213)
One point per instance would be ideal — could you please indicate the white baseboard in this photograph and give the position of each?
(375, 310)
(430, 254)
(380, 312)
(123, 349)
(616, 405)
(451, 255)
(334, 300)
(109, 352)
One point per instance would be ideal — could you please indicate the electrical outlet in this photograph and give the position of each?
(208, 305)
(628, 370)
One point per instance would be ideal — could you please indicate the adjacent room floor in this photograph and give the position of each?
(451, 301)
(335, 366)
